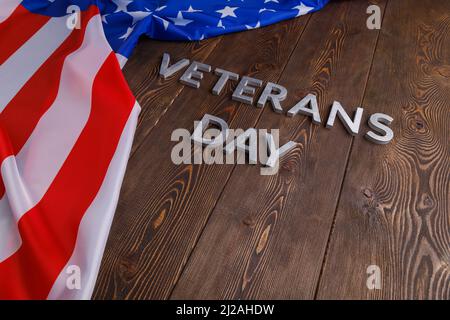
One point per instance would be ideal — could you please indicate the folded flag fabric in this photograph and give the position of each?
(125, 21)
(67, 120)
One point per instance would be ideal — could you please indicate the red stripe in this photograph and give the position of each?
(20, 26)
(49, 230)
(21, 115)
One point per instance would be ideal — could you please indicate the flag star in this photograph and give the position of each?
(258, 24)
(266, 1)
(165, 22)
(180, 20)
(227, 12)
(192, 10)
(138, 15)
(265, 9)
(121, 5)
(220, 25)
(160, 8)
(104, 18)
(302, 9)
(127, 34)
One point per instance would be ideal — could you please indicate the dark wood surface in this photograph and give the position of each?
(338, 204)
(394, 206)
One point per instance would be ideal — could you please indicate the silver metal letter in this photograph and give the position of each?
(202, 125)
(193, 72)
(244, 86)
(274, 98)
(301, 108)
(224, 77)
(379, 123)
(352, 126)
(240, 144)
(165, 71)
(274, 153)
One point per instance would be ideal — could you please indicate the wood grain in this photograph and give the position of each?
(394, 210)
(154, 94)
(164, 207)
(267, 236)
(338, 204)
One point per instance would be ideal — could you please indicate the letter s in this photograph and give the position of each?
(379, 122)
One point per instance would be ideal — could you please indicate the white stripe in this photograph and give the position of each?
(8, 230)
(21, 66)
(7, 7)
(96, 222)
(28, 175)
(121, 59)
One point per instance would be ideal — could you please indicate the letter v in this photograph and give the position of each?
(165, 71)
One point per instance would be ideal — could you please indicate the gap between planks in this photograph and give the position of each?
(327, 247)
(234, 166)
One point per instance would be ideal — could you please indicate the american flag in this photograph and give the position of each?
(68, 118)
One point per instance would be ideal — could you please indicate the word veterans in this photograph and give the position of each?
(274, 93)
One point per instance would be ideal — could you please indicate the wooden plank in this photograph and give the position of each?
(267, 236)
(394, 211)
(154, 94)
(164, 207)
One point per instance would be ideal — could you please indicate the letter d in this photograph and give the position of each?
(202, 125)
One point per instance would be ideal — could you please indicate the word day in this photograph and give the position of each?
(214, 143)
(274, 94)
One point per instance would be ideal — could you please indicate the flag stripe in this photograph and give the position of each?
(7, 8)
(122, 60)
(96, 222)
(49, 230)
(17, 29)
(57, 131)
(16, 71)
(21, 115)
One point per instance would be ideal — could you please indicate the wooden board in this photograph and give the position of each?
(164, 207)
(156, 95)
(394, 207)
(267, 235)
(337, 205)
